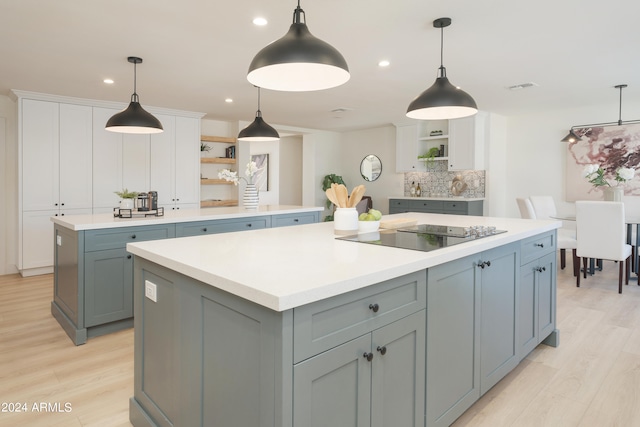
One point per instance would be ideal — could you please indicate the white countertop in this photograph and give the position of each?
(283, 268)
(100, 221)
(452, 198)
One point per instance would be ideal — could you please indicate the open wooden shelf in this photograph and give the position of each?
(207, 138)
(220, 160)
(214, 181)
(217, 203)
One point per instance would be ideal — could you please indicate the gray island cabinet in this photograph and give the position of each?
(93, 272)
(296, 328)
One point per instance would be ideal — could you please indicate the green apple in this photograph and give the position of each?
(376, 214)
(362, 216)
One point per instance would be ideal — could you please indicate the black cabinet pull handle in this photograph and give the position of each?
(382, 350)
(484, 264)
(56, 204)
(62, 214)
(295, 220)
(62, 204)
(128, 256)
(541, 269)
(540, 245)
(204, 229)
(249, 224)
(374, 307)
(368, 356)
(133, 236)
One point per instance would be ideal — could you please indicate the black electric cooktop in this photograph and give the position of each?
(424, 237)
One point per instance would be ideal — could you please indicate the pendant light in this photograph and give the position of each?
(298, 61)
(259, 130)
(134, 119)
(442, 100)
(577, 132)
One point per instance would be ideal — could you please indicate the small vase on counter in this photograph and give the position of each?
(345, 221)
(613, 194)
(250, 198)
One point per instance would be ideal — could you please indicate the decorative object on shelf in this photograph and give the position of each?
(258, 130)
(134, 119)
(435, 133)
(251, 196)
(577, 132)
(442, 100)
(298, 61)
(127, 198)
(430, 155)
(204, 147)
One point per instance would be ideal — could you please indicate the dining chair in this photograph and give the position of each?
(526, 208)
(601, 235)
(545, 208)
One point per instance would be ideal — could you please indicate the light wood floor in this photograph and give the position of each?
(592, 379)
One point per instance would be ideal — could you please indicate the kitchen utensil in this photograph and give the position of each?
(343, 195)
(356, 195)
(331, 195)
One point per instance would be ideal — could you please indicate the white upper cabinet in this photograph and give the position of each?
(407, 148)
(75, 156)
(107, 161)
(466, 142)
(174, 167)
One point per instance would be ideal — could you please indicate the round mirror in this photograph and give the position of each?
(371, 167)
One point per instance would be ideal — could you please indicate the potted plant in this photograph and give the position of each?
(326, 184)
(204, 149)
(430, 155)
(126, 198)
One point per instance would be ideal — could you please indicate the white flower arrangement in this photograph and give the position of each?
(595, 175)
(232, 176)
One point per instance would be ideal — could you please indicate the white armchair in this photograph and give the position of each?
(601, 232)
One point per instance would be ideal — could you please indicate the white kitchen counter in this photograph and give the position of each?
(283, 268)
(101, 221)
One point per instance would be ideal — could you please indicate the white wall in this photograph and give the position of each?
(381, 142)
(291, 170)
(322, 154)
(536, 158)
(8, 187)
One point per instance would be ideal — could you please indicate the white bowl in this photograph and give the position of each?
(368, 226)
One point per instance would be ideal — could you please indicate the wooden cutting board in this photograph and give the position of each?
(397, 223)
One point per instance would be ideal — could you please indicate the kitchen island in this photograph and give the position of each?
(293, 327)
(93, 273)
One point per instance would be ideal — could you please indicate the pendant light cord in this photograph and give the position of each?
(620, 107)
(442, 70)
(134, 96)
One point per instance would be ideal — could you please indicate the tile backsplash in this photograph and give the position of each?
(436, 181)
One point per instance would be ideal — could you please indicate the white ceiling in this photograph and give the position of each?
(196, 53)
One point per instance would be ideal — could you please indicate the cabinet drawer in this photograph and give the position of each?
(198, 228)
(114, 238)
(457, 207)
(325, 324)
(398, 203)
(428, 206)
(294, 219)
(537, 246)
(228, 225)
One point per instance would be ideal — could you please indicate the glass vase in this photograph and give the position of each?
(250, 198)
(613, 194)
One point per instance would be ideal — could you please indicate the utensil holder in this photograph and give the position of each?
(345, 221)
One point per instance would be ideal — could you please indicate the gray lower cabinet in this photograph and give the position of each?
(374, 380)
(451, 207)
(537, 296)
(222, 226)
(204, 357)
(471, 330)
(295, 219)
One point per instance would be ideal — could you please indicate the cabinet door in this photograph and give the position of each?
(333, 388)
(75, 157)
(466, 142)
(135, 162)
(162, 161)
(527, 309)
(37, 239)
(546, 280)
(187, 161)
(453, 321)
(107, 162)
(407, 148)
(39, 169)
(108, 281)
(498, 306)
(398, 377)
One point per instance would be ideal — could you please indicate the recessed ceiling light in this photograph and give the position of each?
(259, 21)
(384, 63)
(108, 81)
(228, 100)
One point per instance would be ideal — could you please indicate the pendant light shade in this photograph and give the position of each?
(571, 137)
(298, 61)
(442, 100)
(258, 130)
(134, 119)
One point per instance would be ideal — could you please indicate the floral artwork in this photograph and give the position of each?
(608, 148)
(262, 174)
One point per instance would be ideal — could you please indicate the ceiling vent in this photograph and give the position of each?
(522, 86)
